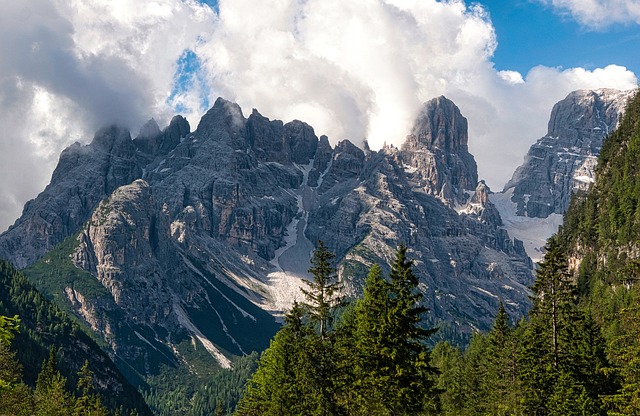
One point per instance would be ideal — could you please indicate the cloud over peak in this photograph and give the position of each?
(356, 69)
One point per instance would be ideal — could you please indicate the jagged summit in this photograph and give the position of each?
(438, 149)
(440, 125)
(583, 114)
(149, 130)
(560, 163)
(563, 161)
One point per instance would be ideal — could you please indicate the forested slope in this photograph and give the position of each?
(42, 326)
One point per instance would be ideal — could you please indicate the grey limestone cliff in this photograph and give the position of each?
(564, 160)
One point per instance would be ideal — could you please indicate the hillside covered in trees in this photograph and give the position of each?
(45, 355)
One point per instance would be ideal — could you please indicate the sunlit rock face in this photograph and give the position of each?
(199, 241)
(564, 160)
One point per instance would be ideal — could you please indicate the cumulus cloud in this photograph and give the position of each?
(69, 67)
(598, 14)
(356, 69)
(361, 70)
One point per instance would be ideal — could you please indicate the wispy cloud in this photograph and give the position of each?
(598, 14)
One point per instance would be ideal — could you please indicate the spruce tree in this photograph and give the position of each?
(322, 294)
(282, 384)
(563, 352)
(409, 356)
(51, 397)
(88, 404)
(372, 366)
(395, 372)
(502, 384)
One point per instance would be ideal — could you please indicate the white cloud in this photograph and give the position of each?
(68, 67)
(598, 14)
(361, 69)
(354, 69)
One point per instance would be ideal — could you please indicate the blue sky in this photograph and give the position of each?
(531, 34)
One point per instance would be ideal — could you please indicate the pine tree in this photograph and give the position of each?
(51, 397)
(393, 370)
(322, 295)
(563, 352)
(451, 380)
(88, 404)
(372, 367)
(409, 357)
(282, 385)
(625, 350)
(502, 384)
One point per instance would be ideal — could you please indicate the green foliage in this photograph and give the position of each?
(322, 292)
(374, 361)
(43, 325)
(181, 393)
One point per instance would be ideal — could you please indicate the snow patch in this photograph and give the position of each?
(486, 292)
(533, 232)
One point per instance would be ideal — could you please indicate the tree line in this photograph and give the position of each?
(370, 357)
(50, 397)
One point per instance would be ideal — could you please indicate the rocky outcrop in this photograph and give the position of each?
(85, 175)
(152, 142)
(437, 149)
(564, 160)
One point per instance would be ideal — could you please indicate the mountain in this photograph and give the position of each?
(43, 325)
(181, 247)
(558, 165)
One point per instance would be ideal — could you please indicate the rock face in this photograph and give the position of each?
(563, 161)
(533, 202)
(437, 148)
(193, 237)
(85, 175)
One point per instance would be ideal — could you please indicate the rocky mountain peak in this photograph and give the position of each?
(224, 114)
(154, 142)
(112, 138)
(149, 130)
(437, 149)
(564, 160)
(481, 196)
(274, 142)
(440, 125)
(586, 112)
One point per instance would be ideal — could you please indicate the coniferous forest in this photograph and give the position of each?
(576, 353)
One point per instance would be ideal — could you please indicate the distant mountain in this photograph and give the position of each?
(182, 247)
(559, 164)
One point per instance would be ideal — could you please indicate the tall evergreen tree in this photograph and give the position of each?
(372, 365)
(51, 397)
(281, 386)
(502, 384)
(88, 404)
(563, 353)
(410, 380)
(322, 294)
